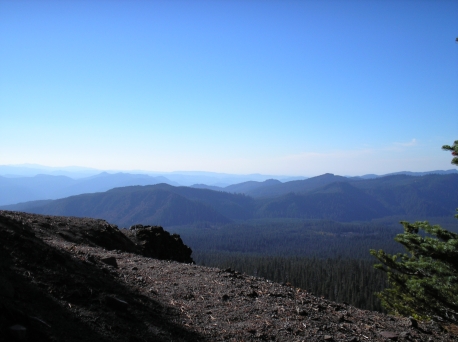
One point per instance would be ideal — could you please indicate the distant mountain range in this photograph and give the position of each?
(30, 170)
(27, 182)
(323, 197)
(409, 173)
(185, 178)
(39, 187)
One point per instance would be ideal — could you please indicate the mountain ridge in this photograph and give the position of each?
(327, 197)
(43, 187)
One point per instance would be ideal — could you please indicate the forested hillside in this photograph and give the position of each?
(328, 258)
(132, 205)
(325, 197)
(342, 280)
(292, 237)
(336, 201)
(298, 186)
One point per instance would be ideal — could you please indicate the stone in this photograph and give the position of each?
(116, 303)
(111, 261)
(404, 334)
(413, 322)
(301, 312)
(6, 289)
(253, 294)
(90, 258)
(18, 332)
(389, 335)
(155, 242)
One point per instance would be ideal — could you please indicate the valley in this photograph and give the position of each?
(272, 229)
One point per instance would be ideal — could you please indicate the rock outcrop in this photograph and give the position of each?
(149, 241)
(155, 242)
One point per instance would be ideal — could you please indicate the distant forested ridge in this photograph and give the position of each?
(46, 187)
(288, 237)
(326, 197)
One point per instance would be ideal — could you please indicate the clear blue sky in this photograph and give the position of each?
(272, 87)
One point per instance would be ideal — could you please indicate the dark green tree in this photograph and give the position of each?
(423, 282)
(454, 149)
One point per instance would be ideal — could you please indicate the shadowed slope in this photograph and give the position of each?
(336, 201)
(130, 205)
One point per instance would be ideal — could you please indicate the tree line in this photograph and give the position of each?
(342, 280)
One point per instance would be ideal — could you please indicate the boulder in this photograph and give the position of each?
(155, 242)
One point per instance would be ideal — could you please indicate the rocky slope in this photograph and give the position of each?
(76, 279)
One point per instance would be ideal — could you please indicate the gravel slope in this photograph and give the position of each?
(57, 283)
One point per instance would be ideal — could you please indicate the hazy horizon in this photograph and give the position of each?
(298, 88)
(92, 171)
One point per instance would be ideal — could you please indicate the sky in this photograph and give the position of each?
(295, 88)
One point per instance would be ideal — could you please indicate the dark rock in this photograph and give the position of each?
(136, 226)
(18, 332)
(389, 335)
(301, 312)
(404, 334)
(253, 294)
(90, 258)
(111, 261)
(99, 233)
(413, 322)
(155, 242)
(116, 303)
(277, 295)
(6, 288)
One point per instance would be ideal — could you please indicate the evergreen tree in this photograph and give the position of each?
(424, 281)
(454, 149)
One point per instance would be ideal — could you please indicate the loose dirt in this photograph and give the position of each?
(76, 279)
